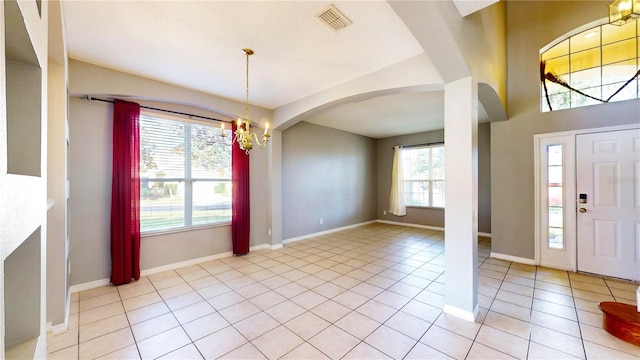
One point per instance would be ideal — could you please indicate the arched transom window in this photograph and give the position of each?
(593, 66)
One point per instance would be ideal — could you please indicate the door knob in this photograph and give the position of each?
(583, 210)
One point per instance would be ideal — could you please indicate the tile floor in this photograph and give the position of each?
(371, 292)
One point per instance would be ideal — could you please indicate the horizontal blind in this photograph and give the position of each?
(185, 171)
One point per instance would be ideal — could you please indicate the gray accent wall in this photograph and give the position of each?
(433, 216)
(328, 174)
(90, 142)
(530, 26)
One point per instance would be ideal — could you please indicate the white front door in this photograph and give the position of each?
(608, 204)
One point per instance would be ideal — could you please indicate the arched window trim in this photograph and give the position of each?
(549, 76)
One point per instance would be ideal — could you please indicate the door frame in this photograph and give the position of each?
(567, 258)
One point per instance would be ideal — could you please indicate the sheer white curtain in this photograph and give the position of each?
(396, 198)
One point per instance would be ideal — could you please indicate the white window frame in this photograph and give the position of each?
(430, 180)
(188, 180)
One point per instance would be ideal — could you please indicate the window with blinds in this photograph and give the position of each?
(185, 174)
(424, 176)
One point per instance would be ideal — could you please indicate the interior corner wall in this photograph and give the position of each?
(530, 26)
(328, 174)
(433, 216)
(90, 150)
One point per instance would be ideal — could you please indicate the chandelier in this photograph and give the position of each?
(621, 11)
(244, 136)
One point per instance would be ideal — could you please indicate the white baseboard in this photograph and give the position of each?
(89, 285)
(517, 259)
(308, 236)
(429, 227)
(462, 314)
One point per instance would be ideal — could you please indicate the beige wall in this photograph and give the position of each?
(530, 26)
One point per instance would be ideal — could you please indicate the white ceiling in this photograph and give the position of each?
(196, 44)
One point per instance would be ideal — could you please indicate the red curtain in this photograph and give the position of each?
(125, 193)
(240, 217)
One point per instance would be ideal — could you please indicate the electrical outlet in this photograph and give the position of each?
(384, 212)
(269, 232)
(321, 221)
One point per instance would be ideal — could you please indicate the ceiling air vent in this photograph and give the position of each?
(334, 18)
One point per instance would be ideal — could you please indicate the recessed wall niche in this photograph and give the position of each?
(22, 295)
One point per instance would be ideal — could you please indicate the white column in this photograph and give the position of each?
(461, 194)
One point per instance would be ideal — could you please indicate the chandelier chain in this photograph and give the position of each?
(246, 103)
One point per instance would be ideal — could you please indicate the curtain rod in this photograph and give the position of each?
(419, 145)
(91, 98)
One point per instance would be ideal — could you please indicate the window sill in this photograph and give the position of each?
(152, 233)
(424, 207)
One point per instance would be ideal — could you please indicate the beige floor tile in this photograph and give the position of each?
(598, 335)
(267, 300)
(508, 324)
(69, 353)
(285, 311)
(621, 284)
(558, 289)
(162, 275)
(524, 281)
(307, 325)
(252, 290)
(422, 311)
(421, 351)
(599, 287)
(135, 291)
(239, 282)
(100, 300)
(557, 341)
(408, 325)
(225, 300)
(376, 311)
(277, 342)
(64, 340)
(366, 289)
(596, 351)
(128, 353)
(192, 312)
(309, 299)
(163, 343)
(239, 311)
(228, 275)
(214, 290)
(171, 292)
(555, 309)
(392, 299)
(106, 344)
(334, 342)
(99, 313)
(503, 342)
(154, 326)
(102, 290)
(447, 342)
(505, 308)
(586, 278)
(358, 325)
(244, 352)
(290, 290)
(406, 290)
(220, 343)
(556, 323)
(514, 298)
(431, 298)
(390, 342)
(365, 351)
(181, 301)
(195, 275)
(147, 312)
(589, 318)
(188, 352)
(141, 300)
(305, 352)
(295, 274)
(168, 282)
(256, 325)
(204, 326)
(537, 351)
(102, 327)
(350, 299)
(481, 352)
(458, 326)
(331, 311)
(204, 282)
(329, 290)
